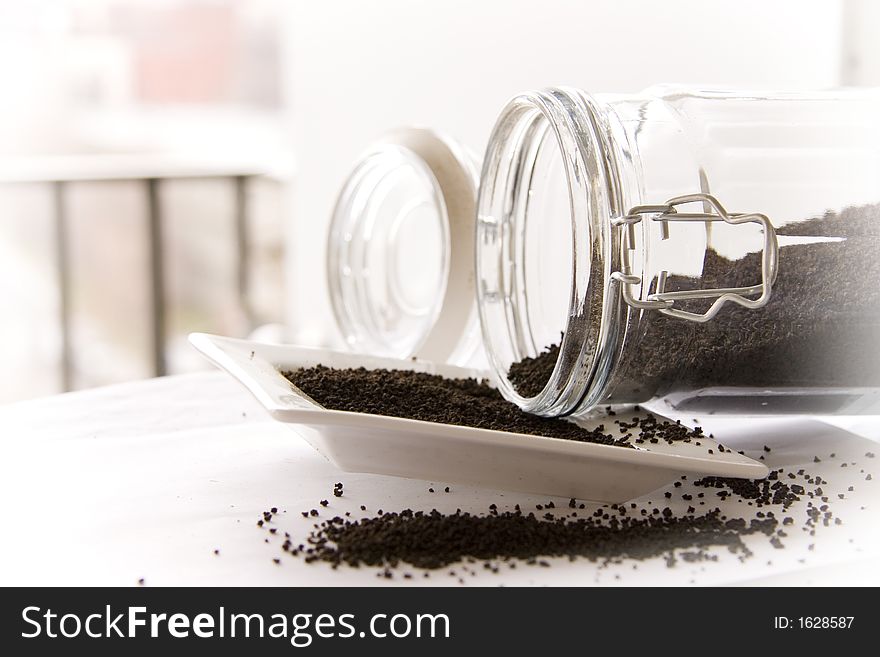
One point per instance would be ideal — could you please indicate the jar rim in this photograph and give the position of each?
(590, 340)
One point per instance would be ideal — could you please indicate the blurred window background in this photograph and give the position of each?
(141, 185)
(147, 186)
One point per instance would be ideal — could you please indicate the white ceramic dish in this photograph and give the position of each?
(358, 442)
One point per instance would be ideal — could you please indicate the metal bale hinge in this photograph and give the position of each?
(663, 301)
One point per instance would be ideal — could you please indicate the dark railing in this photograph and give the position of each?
(61, 173)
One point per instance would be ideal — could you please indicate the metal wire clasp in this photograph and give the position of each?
(663, 301)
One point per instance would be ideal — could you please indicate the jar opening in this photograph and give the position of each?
(545, 248)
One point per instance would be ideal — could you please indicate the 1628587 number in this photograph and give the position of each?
(825, 622)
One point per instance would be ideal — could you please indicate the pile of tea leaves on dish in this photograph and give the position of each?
(462, 402)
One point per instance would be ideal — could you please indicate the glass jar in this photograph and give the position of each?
(710, 250)
(400, 266)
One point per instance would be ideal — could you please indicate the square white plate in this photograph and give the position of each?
(359, 442)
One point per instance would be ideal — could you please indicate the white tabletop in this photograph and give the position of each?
(146, 480)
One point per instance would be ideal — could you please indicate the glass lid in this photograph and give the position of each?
(400, 248)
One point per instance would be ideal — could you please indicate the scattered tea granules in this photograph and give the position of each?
(433, 398)
(434, 540)
(611, 534)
